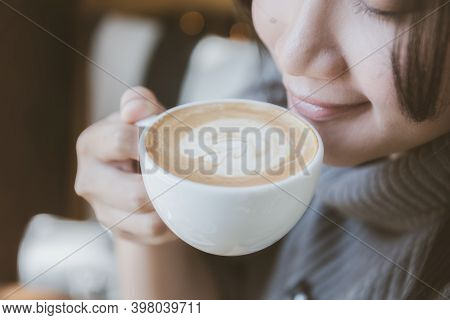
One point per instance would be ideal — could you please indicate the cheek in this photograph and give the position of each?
(262, 27)
(269, 20)
(376, 82)
(368, 56)
(375, 79)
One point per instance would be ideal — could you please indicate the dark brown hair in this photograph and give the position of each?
(419, 77)
(419, 59)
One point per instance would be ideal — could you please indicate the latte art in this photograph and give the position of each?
(231, 144)
(235, 148)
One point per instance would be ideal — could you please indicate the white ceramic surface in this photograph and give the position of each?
(228, 221)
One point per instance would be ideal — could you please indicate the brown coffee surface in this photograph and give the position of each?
(232, 144)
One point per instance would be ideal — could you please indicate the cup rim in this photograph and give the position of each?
(143, 153)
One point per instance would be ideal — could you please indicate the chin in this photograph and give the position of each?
(343, 149)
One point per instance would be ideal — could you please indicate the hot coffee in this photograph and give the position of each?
(232, 144)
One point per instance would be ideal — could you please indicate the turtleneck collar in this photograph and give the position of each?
(396, 194)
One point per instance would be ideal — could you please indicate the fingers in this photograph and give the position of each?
(146, 228)
(115, 188)
(109, 141)
(138, 103)
(106, 152)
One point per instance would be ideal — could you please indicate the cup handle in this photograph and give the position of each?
(144, 124)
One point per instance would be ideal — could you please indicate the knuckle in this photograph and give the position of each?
(158, 227)
(81, 145)
(80, 186)
(103, 218)
(112, 117)
(139, 200)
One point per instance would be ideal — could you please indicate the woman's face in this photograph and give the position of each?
(357, 113)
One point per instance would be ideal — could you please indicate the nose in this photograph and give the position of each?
(308, 47)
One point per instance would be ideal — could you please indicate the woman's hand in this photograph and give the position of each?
(107, 178)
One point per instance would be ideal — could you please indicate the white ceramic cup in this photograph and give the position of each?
(224, 220)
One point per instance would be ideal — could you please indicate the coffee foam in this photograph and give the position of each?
(231, 144)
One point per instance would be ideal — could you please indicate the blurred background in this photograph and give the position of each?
(63, 66)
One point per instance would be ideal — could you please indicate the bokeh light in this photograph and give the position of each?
(192, 23)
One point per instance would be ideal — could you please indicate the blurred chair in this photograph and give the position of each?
(218, 67)
(222, 68)
(121, 45)
(71, 257)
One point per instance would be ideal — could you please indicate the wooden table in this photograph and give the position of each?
(28, 293)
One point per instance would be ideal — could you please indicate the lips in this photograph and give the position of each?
(320, 111)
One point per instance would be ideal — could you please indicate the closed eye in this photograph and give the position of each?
(362, 8)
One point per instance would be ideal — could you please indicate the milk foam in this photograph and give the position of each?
(236, 147)
(232, 144)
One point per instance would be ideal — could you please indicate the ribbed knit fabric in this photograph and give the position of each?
(368, 230)
(366, 235)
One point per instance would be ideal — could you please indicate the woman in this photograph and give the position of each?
(371, 76)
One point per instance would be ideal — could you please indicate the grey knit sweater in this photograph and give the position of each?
(366, 235)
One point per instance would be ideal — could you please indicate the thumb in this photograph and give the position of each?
(138, 103)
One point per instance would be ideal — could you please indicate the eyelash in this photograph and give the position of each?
(363, 8)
